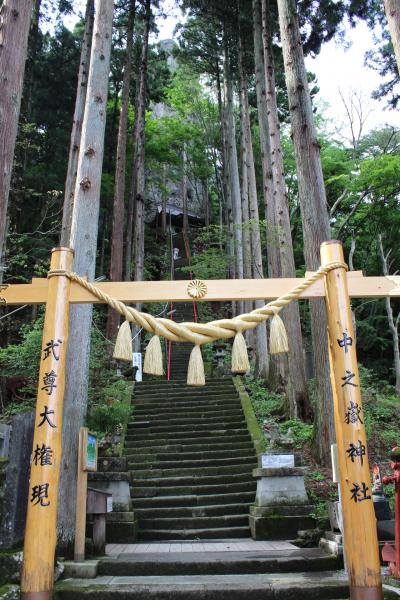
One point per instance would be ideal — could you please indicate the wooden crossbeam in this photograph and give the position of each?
(218, 290)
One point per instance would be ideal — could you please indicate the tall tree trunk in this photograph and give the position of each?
(207, 208)
(224, 153)
(393, 325)
(185, 224)
(234, 181)
(262, 361)
(83, 240)
(77, 124)
(392, 10)
(135, 230)
(272, 246)
(33, 47)
(227, 214)
(247, 271)
(296, 383)
(164, 199)
(278, 373)
(313, 208)
(15, 17)
(138, 180)
(117, 236)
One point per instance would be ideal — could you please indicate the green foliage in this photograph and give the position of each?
(381, 413)
(21, 406)
(109, 397)
(23, 359)
(266, 404)
(111, 408)
(209, 259)
(302, 432)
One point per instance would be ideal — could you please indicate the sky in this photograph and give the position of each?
(338, 69)
(342, 70)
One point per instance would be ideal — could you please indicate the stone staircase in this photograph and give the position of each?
(191, 459)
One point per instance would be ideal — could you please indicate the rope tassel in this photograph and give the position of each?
(278, 338)
(153, 359)
(240, 359)
(195, 374)
(123, 343)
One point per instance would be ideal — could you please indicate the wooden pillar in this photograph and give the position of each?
(359, 522)
(41, 522)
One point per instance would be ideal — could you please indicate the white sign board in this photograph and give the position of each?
(137, 362)
(277, 461)
(109, 504)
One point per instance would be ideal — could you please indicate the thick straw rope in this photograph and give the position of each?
(200, 333)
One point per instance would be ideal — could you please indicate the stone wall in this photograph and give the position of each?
(15, 481)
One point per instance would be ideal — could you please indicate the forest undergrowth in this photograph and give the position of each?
(380, 405)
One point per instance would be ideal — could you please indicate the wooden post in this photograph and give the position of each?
(81, 494)
(359, 521)
(41, 521)
(99, 534)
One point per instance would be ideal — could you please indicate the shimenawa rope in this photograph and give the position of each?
(199, 333)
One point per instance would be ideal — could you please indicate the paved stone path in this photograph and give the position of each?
(115, 550)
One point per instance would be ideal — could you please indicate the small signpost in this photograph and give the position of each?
(87, 461)
(90, 455)
(277, 461)
(137, 362)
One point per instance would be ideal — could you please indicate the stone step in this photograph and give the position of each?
(180, 423)
(220, 491)
(118, 517)
(192, 471)
(216, 533)
(282, 527)
(215, 454)
(194, 411)
(193, 500)
(155, 418)
(201, 432)
(172, 406)
(189, 448)
(180, 384)
(144, 491)
(193, 523)
(182, 387)
(195, 481)
(184, 465)
(191, 511)
(254, 586)
(117, 532)
(219, 563)
(164, 399)
(191, 442)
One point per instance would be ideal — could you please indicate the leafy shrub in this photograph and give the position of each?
(266, 404)
(302, 432)
(108, 418)
(23, 359)
(110, 406)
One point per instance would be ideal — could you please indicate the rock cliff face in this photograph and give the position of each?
(168, 189)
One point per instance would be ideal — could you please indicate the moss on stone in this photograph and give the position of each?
(252, 424)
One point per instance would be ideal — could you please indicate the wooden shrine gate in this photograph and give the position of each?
(58, 292)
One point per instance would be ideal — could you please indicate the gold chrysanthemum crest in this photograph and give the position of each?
(196, 288)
